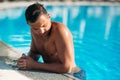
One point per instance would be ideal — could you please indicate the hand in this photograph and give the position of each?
(25, 62)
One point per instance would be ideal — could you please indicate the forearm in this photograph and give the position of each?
(33, 53)
(52, 67)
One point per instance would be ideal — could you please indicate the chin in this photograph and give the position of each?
(42, 34)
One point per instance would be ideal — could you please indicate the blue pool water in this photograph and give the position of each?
(95, 29)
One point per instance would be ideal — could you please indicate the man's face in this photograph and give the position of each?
(42, 25)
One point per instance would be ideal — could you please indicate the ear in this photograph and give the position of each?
(49, 16)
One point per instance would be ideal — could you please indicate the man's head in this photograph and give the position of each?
(34, 11)
(38, 18)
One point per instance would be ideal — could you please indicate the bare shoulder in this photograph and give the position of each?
(60, 26)
(61, 29)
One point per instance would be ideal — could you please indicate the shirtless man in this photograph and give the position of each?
(51, 40)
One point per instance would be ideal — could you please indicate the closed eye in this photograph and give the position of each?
(35, 28)
(44, 25)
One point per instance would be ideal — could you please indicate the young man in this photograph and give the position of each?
(51, 40)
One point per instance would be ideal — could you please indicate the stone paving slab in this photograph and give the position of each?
(7, 73)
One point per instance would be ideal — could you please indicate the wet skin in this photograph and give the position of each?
(53, 41)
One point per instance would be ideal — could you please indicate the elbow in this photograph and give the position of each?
(64, 69)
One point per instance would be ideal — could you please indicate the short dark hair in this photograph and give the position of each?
(34, 11)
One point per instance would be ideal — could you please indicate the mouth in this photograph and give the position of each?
(43, 34)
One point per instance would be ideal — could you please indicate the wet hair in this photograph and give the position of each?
(34, 11)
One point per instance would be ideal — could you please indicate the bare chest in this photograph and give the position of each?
(46, 47)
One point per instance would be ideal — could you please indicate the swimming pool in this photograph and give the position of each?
(95, 29)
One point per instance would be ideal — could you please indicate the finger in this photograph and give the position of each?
(23, 68)
(19, 59)
(21, 65)
(24, 56)
(21, 62)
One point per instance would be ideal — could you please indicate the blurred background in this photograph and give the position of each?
(63, 0)
(95, 25)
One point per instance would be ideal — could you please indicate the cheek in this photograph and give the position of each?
(49, 26)
(36, 31)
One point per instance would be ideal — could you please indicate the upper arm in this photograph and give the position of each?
(64, 45)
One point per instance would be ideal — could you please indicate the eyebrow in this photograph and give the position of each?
(43, 24)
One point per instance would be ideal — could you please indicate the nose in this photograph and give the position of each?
(42, 30)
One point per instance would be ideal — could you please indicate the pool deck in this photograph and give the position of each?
(6, 73)
(7, 5)
(9, 72)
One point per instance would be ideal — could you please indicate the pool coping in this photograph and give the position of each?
(8, 52)
(6, 73)
(7, 5)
